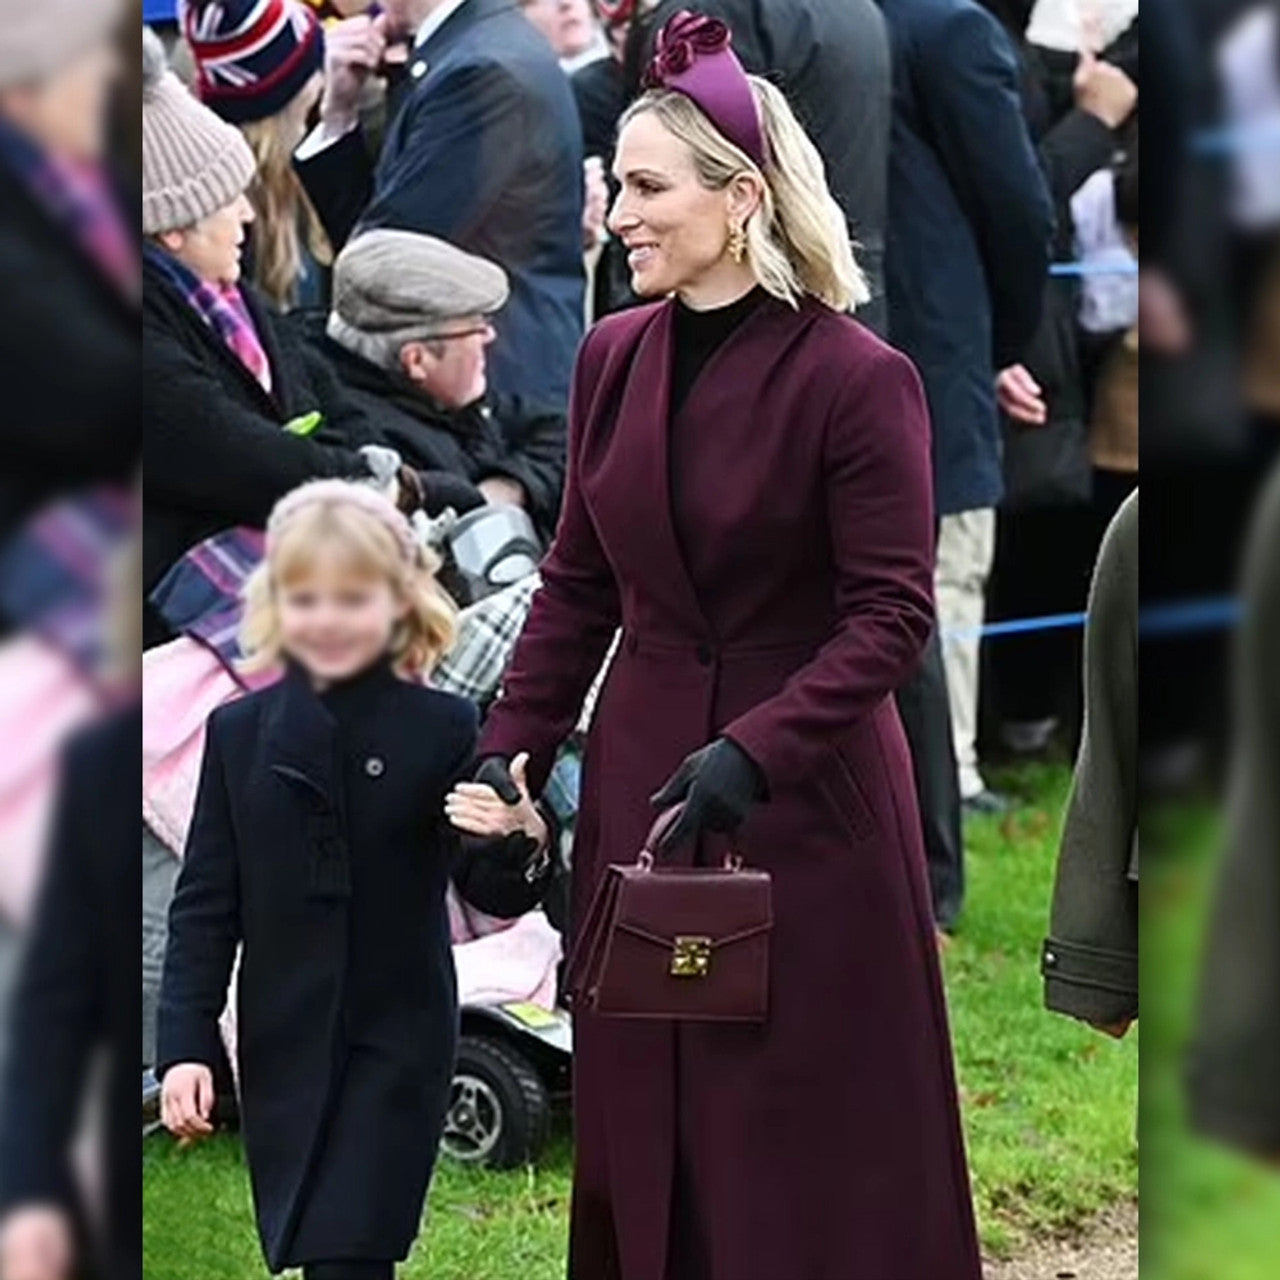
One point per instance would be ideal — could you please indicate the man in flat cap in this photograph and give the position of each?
(482, 148)
(408, 335)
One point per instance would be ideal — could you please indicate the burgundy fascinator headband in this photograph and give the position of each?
(693, 56)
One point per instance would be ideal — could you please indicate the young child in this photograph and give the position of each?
(320, 846)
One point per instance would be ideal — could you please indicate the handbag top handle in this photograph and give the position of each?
(662, 824)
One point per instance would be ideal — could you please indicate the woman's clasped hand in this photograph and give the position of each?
(498, 803)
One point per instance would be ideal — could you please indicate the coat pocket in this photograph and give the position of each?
(847, 794)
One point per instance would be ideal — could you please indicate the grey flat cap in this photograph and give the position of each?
(399, 285)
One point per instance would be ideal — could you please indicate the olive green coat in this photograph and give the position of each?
(1234, 1064)
(1090, 959)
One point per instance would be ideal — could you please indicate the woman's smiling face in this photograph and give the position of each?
(675, 229)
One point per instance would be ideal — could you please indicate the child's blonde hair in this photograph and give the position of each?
(372, 538)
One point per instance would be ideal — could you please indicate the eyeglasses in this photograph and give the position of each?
(485, 328)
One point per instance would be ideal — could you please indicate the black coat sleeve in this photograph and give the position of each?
(205, 451)
(347, 424)
(535, 439)
(1074, 149)
(204, 927)
(59, 1016)
(968, 88)
(70, 387)
(339, 182)
(494, 875)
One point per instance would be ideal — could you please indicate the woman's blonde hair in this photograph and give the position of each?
(285, 217)
(797, 241)
(365, 544)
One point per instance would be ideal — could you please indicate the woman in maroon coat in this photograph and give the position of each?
(749, 500)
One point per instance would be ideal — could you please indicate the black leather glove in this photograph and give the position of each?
(504, 877)
(718, 786)
(442, 489)
(495, 771)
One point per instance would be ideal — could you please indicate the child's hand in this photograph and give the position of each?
(477, 809)
(186, 1101)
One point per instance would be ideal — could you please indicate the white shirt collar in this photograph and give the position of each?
(435, 21)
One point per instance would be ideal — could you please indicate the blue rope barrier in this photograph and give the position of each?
(1230, 141)
(1188, 617)
(1182, 617)
(1093, 269)
(1015, 627)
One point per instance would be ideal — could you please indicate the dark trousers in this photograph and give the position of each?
(1044, 557)
(349, 1271)
(1202, 512)
(926, 716)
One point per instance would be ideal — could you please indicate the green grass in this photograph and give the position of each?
(1207, 1214)
(198, 1225)
(1049, 1107)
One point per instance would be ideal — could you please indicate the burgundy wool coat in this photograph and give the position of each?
(825, 1145)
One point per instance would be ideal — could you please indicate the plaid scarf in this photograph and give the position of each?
(54, 572)
(78, 197)
(201, 595)
(221, 307)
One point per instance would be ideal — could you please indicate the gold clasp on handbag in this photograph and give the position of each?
(691, 958)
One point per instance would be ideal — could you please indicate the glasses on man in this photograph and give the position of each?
(486, 328)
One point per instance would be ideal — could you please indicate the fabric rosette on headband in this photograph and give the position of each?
(694, 56)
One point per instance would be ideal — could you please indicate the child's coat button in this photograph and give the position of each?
(374, 767)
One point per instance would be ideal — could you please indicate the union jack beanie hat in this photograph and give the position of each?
(252, 57)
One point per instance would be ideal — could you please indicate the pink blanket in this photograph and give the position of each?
(43, 699)
(182, 683)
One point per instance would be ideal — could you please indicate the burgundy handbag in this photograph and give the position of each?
(688, 943)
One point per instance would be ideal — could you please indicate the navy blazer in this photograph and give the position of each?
(485, 151)
(969, 232)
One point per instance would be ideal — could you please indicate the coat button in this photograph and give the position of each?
(1050, 959)
(704, 655)
(374, 767)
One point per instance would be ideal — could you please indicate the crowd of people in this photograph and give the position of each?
(374, 240)
(398, 274)
(374, 237)
(965, 156)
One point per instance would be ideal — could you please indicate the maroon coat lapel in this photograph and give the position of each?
(634, 479)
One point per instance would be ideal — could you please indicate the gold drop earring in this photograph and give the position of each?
(737, 242)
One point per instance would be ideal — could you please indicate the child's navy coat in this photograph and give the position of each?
(319, 838)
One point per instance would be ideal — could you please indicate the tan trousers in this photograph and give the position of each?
(966, 549)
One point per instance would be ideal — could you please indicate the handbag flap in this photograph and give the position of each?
(723, 906)
(717, 942)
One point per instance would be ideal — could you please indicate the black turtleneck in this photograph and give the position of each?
(354, 697)
(698, 335)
